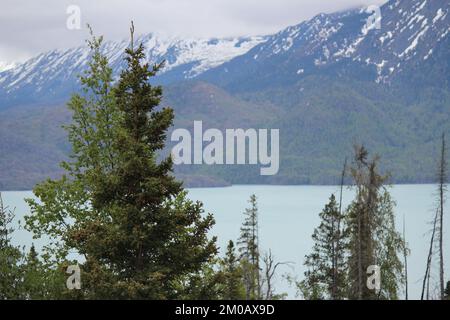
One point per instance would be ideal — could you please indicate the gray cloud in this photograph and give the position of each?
(29, 27)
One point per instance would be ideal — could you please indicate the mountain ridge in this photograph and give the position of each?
(53, 75)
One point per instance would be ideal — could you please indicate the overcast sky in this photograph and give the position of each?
(28, 27)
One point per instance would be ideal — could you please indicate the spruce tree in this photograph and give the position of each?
(325, 277)
(10, 257)
(249, 251)
(204, 284)
(373, 239)
(118, 204)
(361, 215)
(232, 275)
(35, 284)
(390, 247)
(222, 279)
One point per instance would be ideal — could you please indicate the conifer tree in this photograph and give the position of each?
(232, 275)
(390, 247)
(249, 251)
(34, 277)
(204, 284)
(361, 215)
(119, 205)
(325, 277)
(373, 239)
(222, 279)
(10, 257)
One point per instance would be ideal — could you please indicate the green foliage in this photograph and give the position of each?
(232, 275)
(10, 257)
(38, 280)
(24, 276)
(373, 239)
(203, 284)
(249, 251)
(221, 279)
(389, 245)
(345, 245)
(117, 205)
(325, 277)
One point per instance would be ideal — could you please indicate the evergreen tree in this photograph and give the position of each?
(390, 246)
(34, 278)
(249, 251)
(204, 284)
(447, 291)
(10, 257)
(326, 270)
(373, 238)
(360, 219)
(222, 279)
(119, 206)
(232, 275)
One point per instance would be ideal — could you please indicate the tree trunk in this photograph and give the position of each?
(405, 254)
(426, 278)
(442, 187)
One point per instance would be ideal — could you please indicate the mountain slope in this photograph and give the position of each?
(326, 83)
(52, 76)
(6, 66)
(345, 44)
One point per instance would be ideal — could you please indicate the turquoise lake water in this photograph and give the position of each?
(288, 216)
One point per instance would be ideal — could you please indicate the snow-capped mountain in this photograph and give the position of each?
(379, 43)
(50, 75)
(375, 44)
(410, 32)
(6, 66)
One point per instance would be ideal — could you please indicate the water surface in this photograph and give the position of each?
(288, 216)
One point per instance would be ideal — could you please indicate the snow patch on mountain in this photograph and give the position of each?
(6, 65)
(193, 56)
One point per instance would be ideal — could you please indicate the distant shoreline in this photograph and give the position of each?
(260, 185)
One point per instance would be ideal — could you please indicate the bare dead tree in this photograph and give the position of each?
(360, 160)
(344, 171)
(442, 189)
(426, 278)
(270, 268)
